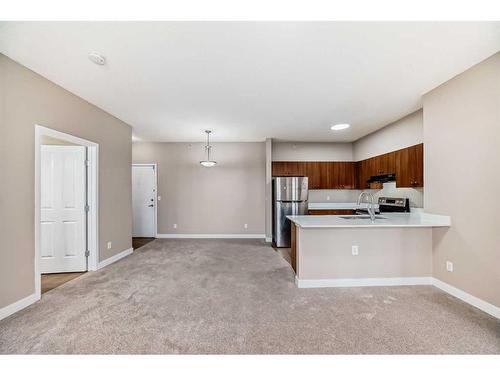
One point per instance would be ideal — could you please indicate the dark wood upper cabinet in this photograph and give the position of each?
(365, 169)
(288, 168)
(317, 173)
(385, 164)
(345, 175)
(410, 166)
(406, 163)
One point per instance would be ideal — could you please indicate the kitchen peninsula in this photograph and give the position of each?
(350, 250)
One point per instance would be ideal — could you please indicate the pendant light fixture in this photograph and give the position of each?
(208, 162)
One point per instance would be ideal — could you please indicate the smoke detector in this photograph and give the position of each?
(97, 58)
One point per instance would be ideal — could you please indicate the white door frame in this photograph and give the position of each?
(92, 197)
(155, 169)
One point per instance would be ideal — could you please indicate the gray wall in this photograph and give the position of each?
(405, 132)
(312, 151)
(27, 99)
(218, 200)
(462, 176)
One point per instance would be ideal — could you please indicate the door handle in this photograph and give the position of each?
(151, 205)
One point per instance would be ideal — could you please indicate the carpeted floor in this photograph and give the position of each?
(238, 296)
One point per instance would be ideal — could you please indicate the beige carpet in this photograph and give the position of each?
(238, 296)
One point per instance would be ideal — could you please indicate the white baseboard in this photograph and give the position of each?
(18, 305)
(393, 281)
(114, 258)
(180, 235)
(269, 239)
(342, 283)
(466, 297)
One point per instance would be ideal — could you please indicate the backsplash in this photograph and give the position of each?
(389, 190)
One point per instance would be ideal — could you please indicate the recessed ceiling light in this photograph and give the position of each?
(97, 58)
(339, 126)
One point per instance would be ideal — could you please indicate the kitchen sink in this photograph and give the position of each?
(364, 217)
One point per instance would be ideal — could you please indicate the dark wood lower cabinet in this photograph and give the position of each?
(332, 212)
(293, 250)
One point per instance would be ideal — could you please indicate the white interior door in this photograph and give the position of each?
(63, 218)
(143, 200)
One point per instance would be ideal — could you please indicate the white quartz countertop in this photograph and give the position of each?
(385, 220)
(337, 206)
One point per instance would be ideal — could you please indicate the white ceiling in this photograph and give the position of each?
(251, 80)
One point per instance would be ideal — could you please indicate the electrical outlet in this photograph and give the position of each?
(327, 197)
(109, 245)
(449, 266)
(355, 250)
(245, 226)
(159, 197)
(175, 226)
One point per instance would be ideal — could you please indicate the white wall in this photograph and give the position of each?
(405, 132)
(312, 151)
(462, 176)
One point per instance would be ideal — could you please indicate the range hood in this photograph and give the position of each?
(382, 178)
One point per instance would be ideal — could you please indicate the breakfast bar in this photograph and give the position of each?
(353, 250)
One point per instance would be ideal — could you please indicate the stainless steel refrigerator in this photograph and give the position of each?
(289, 198)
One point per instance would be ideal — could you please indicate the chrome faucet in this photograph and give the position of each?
(371, 205)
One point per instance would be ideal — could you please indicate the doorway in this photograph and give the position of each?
(144, 205)
(66, 243)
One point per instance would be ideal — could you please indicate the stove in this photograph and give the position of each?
(386, 204)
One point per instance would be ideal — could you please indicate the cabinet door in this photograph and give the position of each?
(410, 166)
(288, 168)
(317, 173)
(363, 174)
(333, 175)
(417, 160)
(386, 163)
(347, 175)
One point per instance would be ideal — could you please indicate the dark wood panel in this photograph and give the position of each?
(384, 164)
(288, 168)
(410, 166)
(406, 163)
(317, 173)
(332, 212)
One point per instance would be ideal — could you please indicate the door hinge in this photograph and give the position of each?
(87, 163)
(87, 208)
(87, 253)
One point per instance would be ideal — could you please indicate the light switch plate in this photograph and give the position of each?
(355, 249)
(449, 266)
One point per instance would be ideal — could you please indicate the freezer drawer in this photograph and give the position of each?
(281, 225)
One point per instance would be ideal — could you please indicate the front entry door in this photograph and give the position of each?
(143, 200)
(63, 217)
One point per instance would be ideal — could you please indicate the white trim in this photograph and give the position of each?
(155, 168)
(393, 281)
(114, 258)
(341, 283)
(269, 239)
(466, 297)
(92, 197)
(18, 305)
(180, 235)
